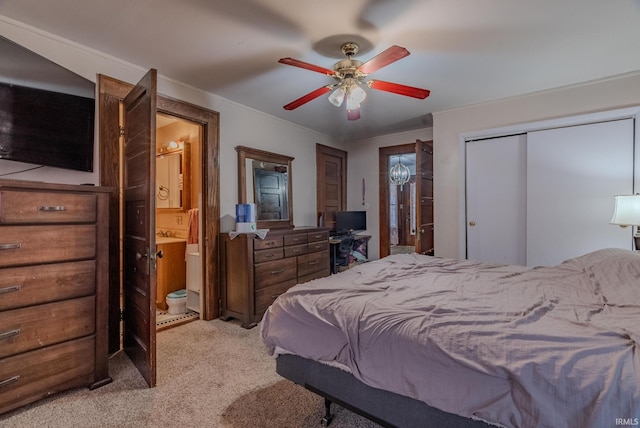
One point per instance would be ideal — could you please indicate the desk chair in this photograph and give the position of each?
(343, 252)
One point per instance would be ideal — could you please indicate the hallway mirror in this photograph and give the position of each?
(265, 179)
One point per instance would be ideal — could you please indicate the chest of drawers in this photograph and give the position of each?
(53, 289)
(255, 271)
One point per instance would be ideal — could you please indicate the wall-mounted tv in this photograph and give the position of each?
(351, 221)
(46, 128)
(47, 112)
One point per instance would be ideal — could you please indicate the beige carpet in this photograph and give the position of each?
(210, 374)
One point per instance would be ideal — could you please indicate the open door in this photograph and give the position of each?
(424, 191)
(139, 276)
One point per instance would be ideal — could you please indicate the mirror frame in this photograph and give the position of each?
(185, 151)
(245, 153)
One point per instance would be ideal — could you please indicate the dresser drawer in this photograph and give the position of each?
(42, 325)
(266, 296)
(271, 273)
(295, 250)
(318, 246)
(312, 262)
(314, 275)
(267, 255)
(32, 285)
(318, 236)
(21, 245)
(38, 374)
(263, 244)
(46, 207)
(300, 238)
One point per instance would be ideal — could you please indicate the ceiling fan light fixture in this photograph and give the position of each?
(337, 96)
(355, 96)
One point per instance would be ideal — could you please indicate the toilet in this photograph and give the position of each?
(177, 302)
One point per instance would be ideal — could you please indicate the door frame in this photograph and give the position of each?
(384, 153)
(111, 92)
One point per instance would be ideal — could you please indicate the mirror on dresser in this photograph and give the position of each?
(173, 178)
(264, 178)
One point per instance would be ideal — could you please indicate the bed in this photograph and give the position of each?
(465, 343)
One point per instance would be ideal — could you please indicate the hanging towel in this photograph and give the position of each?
(192, 228)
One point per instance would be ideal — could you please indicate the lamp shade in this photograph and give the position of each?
(626, 211)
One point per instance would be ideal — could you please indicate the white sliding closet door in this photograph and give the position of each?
(573, 173)
(496, 199)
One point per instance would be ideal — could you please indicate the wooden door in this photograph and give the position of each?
(331, 183)
(271, 194)
(424, 195)
(139, 276)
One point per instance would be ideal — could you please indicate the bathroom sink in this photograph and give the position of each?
(168, 240)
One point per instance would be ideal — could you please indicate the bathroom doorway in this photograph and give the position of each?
(178, 223)
(111, 95)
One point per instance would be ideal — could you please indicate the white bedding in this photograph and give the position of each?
(511, 345)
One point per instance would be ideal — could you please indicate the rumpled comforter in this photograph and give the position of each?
(511, 345)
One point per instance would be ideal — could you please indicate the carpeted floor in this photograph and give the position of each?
(210, 374)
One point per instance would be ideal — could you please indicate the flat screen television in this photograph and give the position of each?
(46, 128)
(351, 221)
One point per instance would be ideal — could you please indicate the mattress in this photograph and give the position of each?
(510, 345)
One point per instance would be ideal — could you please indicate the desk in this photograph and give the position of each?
(359, 249)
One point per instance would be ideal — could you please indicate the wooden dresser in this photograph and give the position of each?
(255, 271)
(53, 289)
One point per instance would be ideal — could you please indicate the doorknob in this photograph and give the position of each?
(472, 223)
(141, 256)
(159, 254)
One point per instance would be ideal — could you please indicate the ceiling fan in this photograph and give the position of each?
(350, 75)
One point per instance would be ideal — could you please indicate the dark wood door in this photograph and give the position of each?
(424, 192)
(331, 166)
(271, 195)
(139, 276)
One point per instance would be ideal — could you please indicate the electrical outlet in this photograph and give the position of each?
(178, 219)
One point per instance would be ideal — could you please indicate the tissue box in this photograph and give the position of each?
(245, 227)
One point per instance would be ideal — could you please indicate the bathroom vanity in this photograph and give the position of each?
(171, 268)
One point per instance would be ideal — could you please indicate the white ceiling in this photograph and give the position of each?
(464, 51)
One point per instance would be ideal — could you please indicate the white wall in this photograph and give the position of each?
(239, 125)
(623, 91)
(362, 162)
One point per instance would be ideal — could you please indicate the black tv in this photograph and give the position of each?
(351, 221)
(46, 128)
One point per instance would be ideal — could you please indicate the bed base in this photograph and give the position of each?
(383, 407)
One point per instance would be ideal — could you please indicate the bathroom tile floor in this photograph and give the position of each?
(165, 320)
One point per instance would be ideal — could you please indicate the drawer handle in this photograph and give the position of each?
(268, 256)
(314, 262)
(275, 296)
(10, 333)
(296, 251)
(10, 289)
(9, 381)
(10, 246)
(52, 208)
(275, 272)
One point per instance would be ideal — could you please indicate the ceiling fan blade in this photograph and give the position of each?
(306, 65)
(306, 98)
(353, 114)
(397, 88)
(384, 58)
